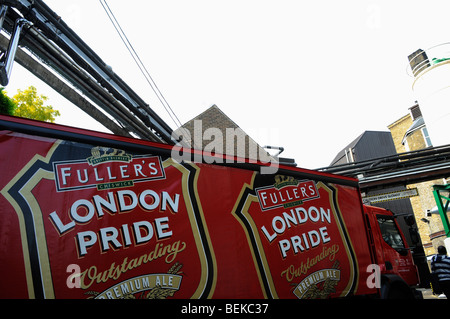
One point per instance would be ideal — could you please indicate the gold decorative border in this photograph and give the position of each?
(37, 219)
(44, 262)
(195, 228)
(353, 278)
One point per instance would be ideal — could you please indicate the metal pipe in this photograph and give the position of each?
(3, 10)
(8, 59)
(83, 55)
(53, 28)
(83, 81)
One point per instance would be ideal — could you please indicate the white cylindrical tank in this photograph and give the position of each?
(431, 87)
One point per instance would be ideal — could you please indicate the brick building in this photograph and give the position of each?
(213, 131)
(409, 133)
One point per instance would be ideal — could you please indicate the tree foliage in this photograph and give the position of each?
(30, 104)
(7, 105)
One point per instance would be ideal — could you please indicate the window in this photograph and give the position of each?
(426, 136)
(390, 232)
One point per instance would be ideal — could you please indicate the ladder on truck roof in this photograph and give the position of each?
(55, 48)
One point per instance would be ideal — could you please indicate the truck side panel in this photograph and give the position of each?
(84, 220)
(393, 254)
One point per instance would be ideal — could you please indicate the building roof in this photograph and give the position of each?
(213, 130)
(368, 145)
(341, 157)
(417, 124)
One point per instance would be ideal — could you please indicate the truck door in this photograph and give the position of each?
(397, 257)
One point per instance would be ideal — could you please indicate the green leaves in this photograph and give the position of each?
(27, 103)
(31, 105)
(7, 106)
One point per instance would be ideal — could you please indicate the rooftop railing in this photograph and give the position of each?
(421, 60)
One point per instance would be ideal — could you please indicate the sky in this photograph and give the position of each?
(310, 76)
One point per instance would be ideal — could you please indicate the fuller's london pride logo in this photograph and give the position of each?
(298, 238)
(127, 221)
(106, 169)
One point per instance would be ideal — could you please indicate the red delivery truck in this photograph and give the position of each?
(87, 215)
